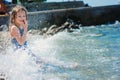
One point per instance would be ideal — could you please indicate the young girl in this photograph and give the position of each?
(18, 26)
(18, 31)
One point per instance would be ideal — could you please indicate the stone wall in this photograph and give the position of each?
(4, 20)
(84, 15)
(38, 6)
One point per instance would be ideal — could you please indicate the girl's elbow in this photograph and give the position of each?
(20, 42)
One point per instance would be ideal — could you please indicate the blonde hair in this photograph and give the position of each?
(13, 13)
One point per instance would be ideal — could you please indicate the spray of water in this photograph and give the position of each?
(89, 53)
(32, 63)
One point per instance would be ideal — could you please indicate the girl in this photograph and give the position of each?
(18, 30)
(18, 26)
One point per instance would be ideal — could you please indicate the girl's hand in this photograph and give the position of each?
(25, 24)
(23, 21)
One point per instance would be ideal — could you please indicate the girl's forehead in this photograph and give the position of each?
(21, 12)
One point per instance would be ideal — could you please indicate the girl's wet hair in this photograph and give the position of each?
(14, 11)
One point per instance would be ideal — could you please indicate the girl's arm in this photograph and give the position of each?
(16, 34)
(25, 25)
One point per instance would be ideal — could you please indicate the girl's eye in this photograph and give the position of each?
(19, 16)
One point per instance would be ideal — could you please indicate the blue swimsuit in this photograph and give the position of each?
(16, 45)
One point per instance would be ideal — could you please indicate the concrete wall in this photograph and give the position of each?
(53, 5)
(4, 20)
(84, 15)
(38, 6)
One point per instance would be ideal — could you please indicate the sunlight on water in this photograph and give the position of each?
(88, 53)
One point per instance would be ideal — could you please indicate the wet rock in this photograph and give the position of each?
(54, 29)
(3, 28)
(3, 76)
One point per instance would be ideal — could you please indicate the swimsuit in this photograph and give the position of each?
(16, 45)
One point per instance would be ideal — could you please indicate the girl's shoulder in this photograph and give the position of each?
(14, 29)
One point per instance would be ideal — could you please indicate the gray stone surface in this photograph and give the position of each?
(38, 6)
(83, 15)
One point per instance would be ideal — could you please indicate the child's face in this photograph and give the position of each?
(20, 17)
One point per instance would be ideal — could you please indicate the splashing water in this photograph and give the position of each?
(95, 50)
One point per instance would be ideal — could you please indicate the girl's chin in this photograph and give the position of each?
(20, 23)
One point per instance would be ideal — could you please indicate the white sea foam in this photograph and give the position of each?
(66, 56)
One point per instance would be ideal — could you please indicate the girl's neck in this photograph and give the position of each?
(19, 26)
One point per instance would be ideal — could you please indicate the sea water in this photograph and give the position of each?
(88, 53)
